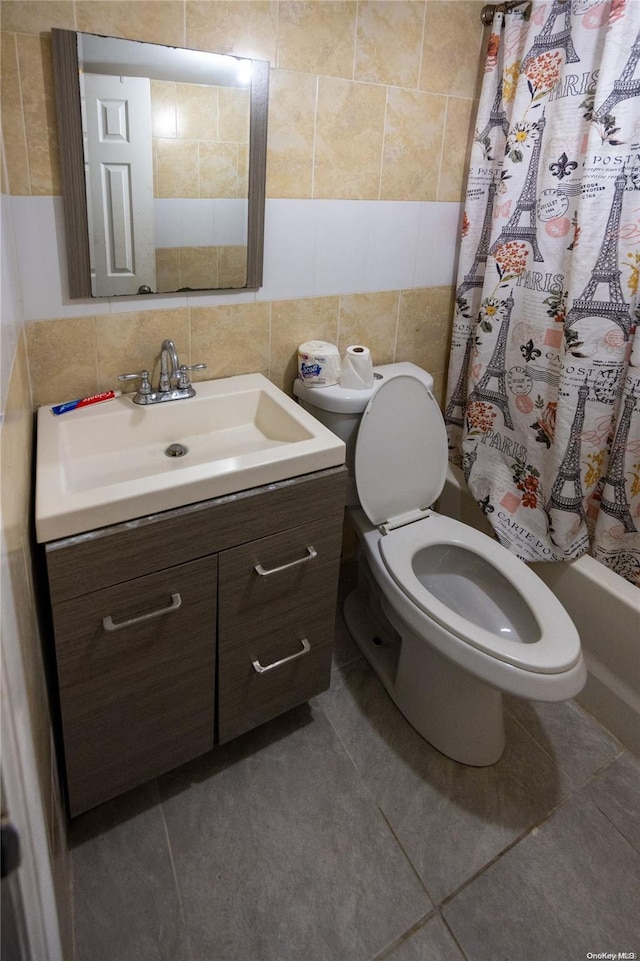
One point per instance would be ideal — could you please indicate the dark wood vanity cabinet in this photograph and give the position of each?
(136, 694)
(151, 617)
(275, 628)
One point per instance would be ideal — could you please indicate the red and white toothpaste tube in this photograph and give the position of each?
(85, 401)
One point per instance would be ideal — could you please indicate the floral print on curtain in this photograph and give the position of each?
(543, 399)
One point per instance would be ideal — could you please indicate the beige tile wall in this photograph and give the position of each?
(368, 100)
(200, 138)
(89, 352)
(395, 78)
(200, 268)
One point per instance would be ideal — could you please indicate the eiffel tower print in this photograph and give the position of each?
(546, 40)
(458, 399)
(497, 117)
(495, 371)
(568, 475)
(625, 86)
(606, 272)
(473, 279)
(619, 506)
(526, 204)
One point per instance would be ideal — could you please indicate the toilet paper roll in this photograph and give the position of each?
(357, 368)
(318, 363)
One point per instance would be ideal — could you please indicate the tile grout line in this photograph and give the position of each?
(175, 875)
(553, 758)
(404, 937)
(381, 812)
(530, 830)
(436, 913)
(595, 777)
(454, 938)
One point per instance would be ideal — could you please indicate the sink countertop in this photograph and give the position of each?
(106, 463)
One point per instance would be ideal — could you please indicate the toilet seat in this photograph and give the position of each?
(547, 642)
(401, 451)
(400, 468)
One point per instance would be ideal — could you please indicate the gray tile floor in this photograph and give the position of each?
(335, 833)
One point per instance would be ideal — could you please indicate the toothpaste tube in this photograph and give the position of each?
(85, 401)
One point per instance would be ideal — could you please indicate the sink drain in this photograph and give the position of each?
(176, 450)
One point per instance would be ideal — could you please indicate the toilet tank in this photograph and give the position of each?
(341, 414)
(340, 409)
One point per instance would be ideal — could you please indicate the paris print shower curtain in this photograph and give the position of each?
(543, 397)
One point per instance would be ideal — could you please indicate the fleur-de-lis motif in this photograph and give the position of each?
(528, 351)
(563, 167)
(485, 506)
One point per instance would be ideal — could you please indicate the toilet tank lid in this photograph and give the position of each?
(348, 401)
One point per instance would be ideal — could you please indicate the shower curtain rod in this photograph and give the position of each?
(490, 9)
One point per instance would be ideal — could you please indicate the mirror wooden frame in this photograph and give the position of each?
(67, 93)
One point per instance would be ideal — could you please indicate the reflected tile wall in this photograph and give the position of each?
(199, 140)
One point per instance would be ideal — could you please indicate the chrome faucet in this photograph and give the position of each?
(174, 381)
(169, 366)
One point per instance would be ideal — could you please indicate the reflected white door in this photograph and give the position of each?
(119, 183)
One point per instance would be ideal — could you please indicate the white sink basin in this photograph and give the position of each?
(107, 463)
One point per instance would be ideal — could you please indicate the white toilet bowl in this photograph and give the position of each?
(447, 617)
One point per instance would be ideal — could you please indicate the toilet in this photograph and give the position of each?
(447, 617)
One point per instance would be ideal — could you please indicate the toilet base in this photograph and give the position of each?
(455, 712)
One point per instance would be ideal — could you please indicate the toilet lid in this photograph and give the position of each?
(401, 450)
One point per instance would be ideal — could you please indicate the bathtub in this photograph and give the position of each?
(606, 611)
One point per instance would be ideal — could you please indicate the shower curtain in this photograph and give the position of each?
(543, 396)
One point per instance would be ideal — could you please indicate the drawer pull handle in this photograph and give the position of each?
(109, 625)
(306, 647)
(263, 571)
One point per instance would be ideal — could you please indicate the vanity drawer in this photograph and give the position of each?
(280, 616)
(98, 559)
(136, 691)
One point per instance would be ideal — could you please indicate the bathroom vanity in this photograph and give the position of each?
(183, 629)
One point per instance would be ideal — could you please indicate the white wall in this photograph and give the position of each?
(313, 248)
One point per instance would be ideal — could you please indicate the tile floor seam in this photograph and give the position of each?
(175, 876)
(595, 803)
(391, 948)
(615, 827)
(404, 937)
(604, 767)
(382, 814)
(521, 837)
(593, 717)
(544, 750)
(554, 759)
(453, 936)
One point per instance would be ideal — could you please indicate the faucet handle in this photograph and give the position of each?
(183, 370)
(143, 377)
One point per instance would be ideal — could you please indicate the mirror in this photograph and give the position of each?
(163, 164)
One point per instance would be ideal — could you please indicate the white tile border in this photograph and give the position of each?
(313, 248)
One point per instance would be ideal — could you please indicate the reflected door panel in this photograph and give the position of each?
(163, 166)
(119, 183)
